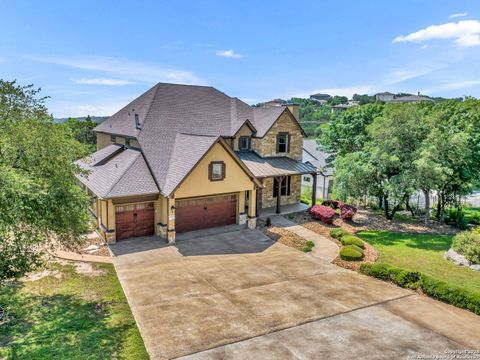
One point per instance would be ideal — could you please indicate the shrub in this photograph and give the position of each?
(437, 289)
(352, 240)
(322, 213)
(456, 217)
(337, 233)
(467, 243)
(308, 246)
(347, 212)
(351, 253)
(334, 204)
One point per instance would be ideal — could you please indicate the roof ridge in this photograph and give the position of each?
(121, 177)
(150, 106)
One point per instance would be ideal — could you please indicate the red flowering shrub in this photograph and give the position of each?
(334, 204)
(347, 211)
(322, 213)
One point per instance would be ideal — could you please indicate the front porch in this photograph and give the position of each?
(284, 210)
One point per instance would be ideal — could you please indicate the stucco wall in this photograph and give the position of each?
(267, 146)
(295, 190)
(103, 140)
(243, 131)
(198, 184)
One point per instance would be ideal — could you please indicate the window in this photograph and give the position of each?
(127, 142)
(137, 122)
(216, 171)
(284, 186)
(113, 139)
(244, 143)
(283, 143)
(306, 178)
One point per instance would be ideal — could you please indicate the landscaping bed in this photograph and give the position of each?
(286, 237)
(69, 310)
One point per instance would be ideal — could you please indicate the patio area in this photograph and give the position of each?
(285, 209)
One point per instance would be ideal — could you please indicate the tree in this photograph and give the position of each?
(337, 100)
(82, 131)
(40, 200)
(363, 99)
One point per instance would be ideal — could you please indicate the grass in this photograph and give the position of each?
(424, 253)
(469, 212)
(75, 317)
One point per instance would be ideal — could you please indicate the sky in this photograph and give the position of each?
(93, 57)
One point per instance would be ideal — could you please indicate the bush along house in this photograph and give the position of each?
(181, 158)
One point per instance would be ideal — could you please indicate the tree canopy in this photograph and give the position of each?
(40, 200)
(391, 151)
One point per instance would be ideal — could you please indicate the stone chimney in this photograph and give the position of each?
(295, 110)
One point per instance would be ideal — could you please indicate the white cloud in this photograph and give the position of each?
(465, 33)
(67, 109)
(229, 54)
(345, 91)
(465, 84)
(127, 69)
(453, 16)
(102, 81)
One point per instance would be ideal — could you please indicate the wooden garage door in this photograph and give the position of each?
(201, 213)
(134, 220)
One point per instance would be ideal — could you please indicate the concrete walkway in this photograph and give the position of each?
(324, 249)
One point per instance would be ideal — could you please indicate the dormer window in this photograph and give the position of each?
(244, 143)
(127, 142)
(137, 122)
(113, 139)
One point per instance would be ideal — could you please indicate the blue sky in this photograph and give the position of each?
(93, 57)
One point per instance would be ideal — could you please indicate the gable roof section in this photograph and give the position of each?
(125, 174)
(106, 153)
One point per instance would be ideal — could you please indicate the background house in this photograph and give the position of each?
(315, 157)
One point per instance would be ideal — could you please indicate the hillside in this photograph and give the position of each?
(95, 119)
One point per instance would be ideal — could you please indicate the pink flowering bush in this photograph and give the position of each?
(347, 211)
(323, 213)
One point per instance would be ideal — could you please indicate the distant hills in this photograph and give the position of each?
(96, 119)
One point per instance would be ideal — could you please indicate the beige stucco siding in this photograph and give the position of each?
(104, 140)
(198, 184)
(295, 190)
(267, 146)
(243, 131)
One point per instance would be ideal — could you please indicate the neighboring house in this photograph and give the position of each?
(389, 97)
(313, 156)
(343, 107)
(181, 158)
(320, 97)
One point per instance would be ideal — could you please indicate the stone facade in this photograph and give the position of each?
(267, 146)
(295, 190)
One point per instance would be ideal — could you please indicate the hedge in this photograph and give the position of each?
(352, 240)
(351, 253)
(337, 233)
(434, 288)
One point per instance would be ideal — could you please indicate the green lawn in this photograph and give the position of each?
(470, 211)
(424, 253)
(74, 317)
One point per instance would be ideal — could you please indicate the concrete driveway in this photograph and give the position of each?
(278, 303)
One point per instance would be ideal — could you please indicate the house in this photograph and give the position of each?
(181, 158)
(320, 97)
(384, 96)
(312, 155)
(389, 97)
(343, 107)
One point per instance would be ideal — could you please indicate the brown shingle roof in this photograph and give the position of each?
(124, 174)
(180, 122)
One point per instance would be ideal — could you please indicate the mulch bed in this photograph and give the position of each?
(102, 251)
(285, 237)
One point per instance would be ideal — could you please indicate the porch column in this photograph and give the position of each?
(314, 189)
(279, 192)
(252, 209)
(171, 220)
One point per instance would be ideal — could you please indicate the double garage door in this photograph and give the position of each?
(201, 213)
(133, 220)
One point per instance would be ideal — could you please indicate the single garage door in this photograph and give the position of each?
(134, 220)
(201, 213)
